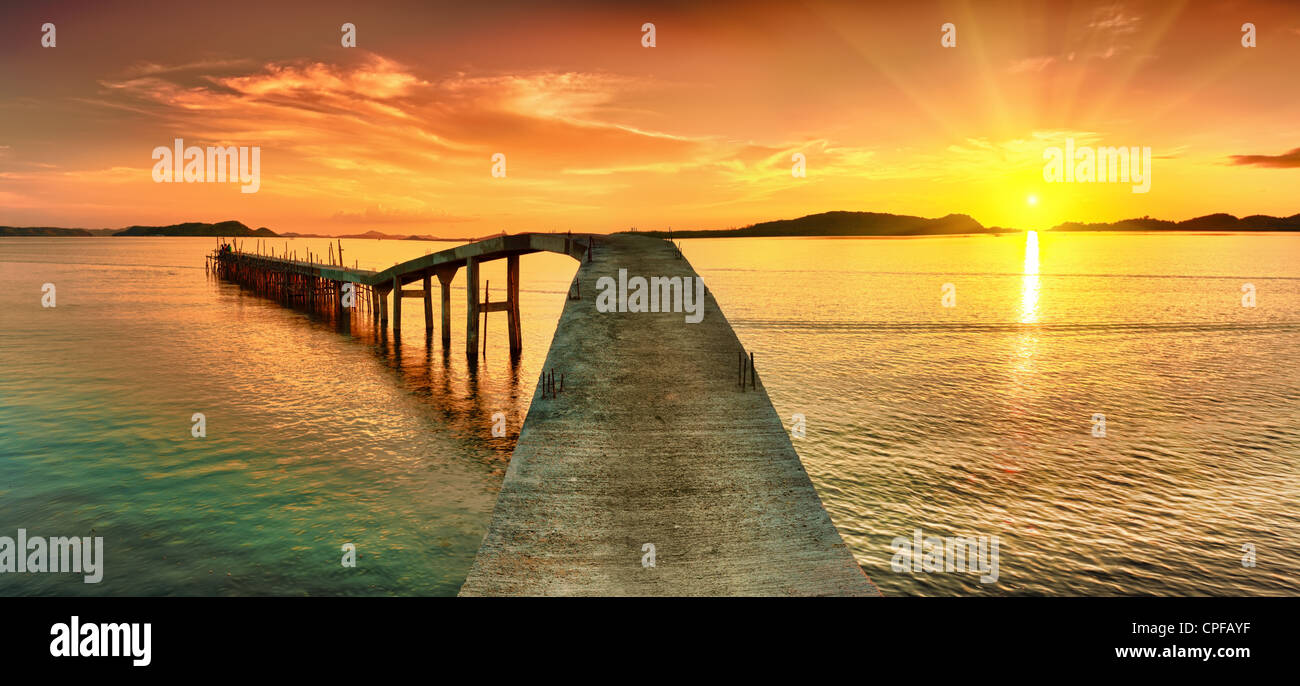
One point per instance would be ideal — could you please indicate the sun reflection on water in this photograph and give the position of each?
(1029, 281)
(1027, 341)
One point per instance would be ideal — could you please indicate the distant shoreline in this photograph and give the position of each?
(851, 224)
(823, 225)
(679, 236)
(226, 229)
(1006, 232)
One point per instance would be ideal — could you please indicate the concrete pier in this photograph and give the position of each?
(286, 278)
(646, 467)
(652, 442)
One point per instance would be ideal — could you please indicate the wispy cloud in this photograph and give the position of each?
(1111, 32)
(378, 214)
(1115, 20)
(1285, 160)
(1031, 64)
(153, 68)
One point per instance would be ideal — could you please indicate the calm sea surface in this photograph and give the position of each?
(971, 420)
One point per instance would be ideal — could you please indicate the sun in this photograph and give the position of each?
(1032, 199)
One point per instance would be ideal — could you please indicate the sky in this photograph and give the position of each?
(601, 133)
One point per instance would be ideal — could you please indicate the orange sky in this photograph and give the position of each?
(602, 134)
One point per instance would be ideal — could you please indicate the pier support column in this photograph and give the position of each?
(344, 313)
(444, 280)
(512, 305)
(381, 299)
(397, 307)
(471, 308)
(428, 307)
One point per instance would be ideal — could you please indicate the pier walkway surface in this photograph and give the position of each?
(653, 441)
(648, 449)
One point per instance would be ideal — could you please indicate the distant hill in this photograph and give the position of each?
(51, 231)
(823, 224)
(1210, 222)
(884, 224)
(376, 235)
(844, 224)
(227, 228)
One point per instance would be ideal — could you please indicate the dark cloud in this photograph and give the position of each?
(1285, 160)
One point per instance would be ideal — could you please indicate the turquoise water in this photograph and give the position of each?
(315, 438)
(970, 420)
